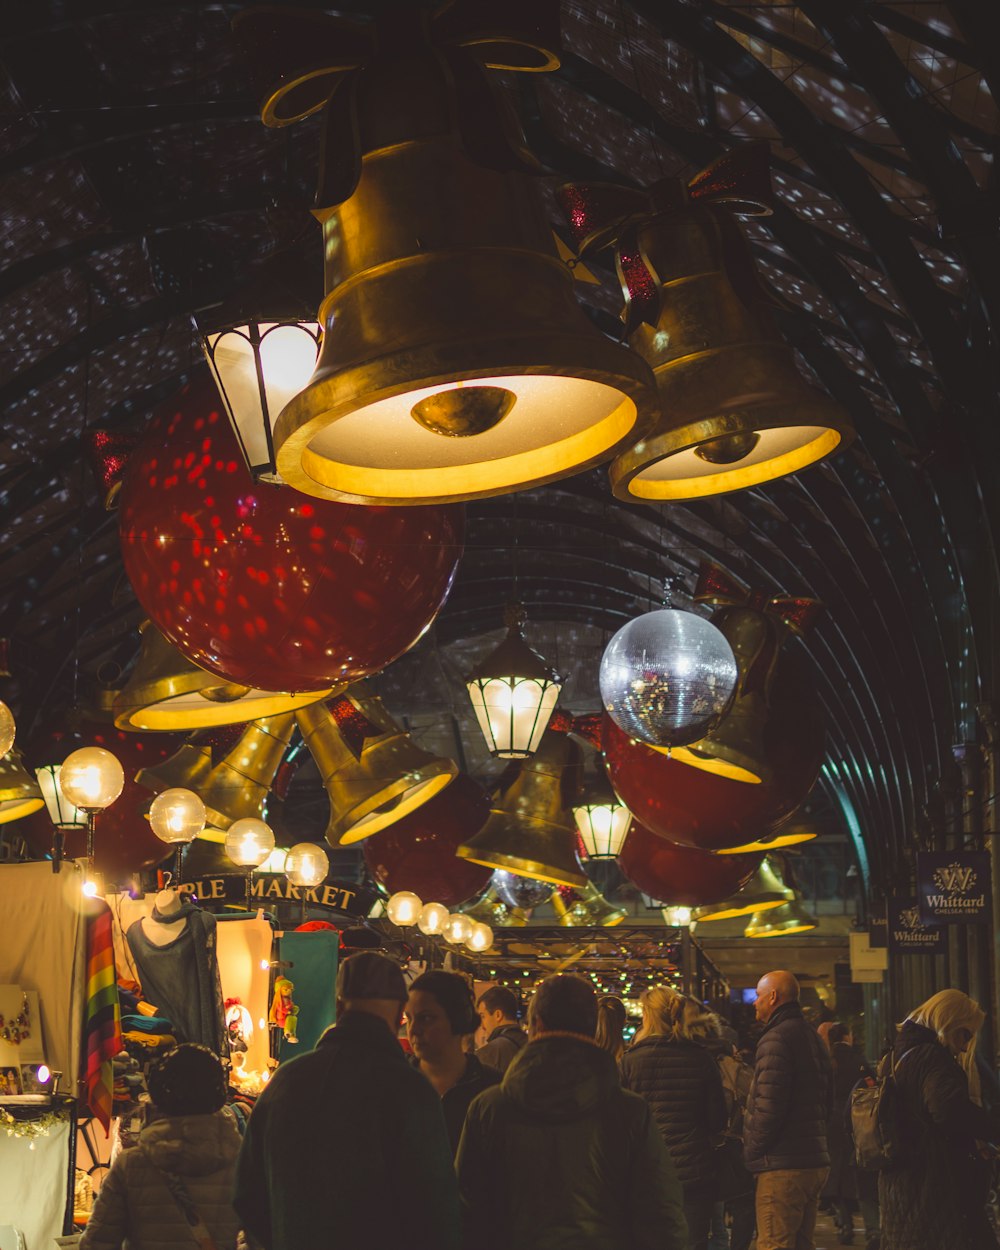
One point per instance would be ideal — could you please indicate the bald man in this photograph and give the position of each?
(788, 1108)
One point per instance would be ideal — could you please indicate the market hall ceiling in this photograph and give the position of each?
(140, 186)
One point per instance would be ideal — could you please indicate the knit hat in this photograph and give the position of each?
(370, 975)
(188, 1080)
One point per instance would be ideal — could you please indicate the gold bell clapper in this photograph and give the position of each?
(736, 410)
(781, 921)
(765, 889)
(456, 362)
(231, 769)
(165, 691)
(530, 830)
(492, 910)
(755, 626)
(373, 771)
(19, 791)
(585, 908)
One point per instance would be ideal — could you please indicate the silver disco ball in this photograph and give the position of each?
(667, 677)
(522, 892)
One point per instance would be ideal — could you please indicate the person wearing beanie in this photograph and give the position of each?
(179, 1178)
(349, 1134)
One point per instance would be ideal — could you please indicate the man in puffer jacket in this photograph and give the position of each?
(788, 1109)
(182, 1169)
(559, 1156)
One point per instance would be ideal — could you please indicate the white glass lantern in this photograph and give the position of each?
(259, 366)
(677, 917)
(404, 907)
(249, 842)
(602, 819)
(91, 778)
(481, 937)
(177, 816)
(306, 864)
(513, 693)
(457, 928)
(62, 813)
(432, 918)
(7, 729)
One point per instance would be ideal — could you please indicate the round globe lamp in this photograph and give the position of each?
(432, 918)
(457, 929)
(404, 908)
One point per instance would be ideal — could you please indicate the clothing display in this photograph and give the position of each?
(182, 978)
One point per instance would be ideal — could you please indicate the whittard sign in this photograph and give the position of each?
(908, 933)
(954, 887)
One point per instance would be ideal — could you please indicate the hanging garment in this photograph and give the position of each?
(182, 978)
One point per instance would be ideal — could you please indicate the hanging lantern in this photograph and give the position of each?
(530, 830)
(513, 692)
(736, 411)
(258, 367)
(520, 893)
(307, 864)
(166, 691)
(231, 768)
(249, 842)
(681, 875)
(417, 851)
(373, 771)
(585, 908)
(667, 677)
(765, 889)
(499, 381)
(19, 793)
(177, 816)
(601, 817)
(781, 921)
(677, 917)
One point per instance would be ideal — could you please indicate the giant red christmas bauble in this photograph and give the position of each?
(124, 843)
(418, 852)
(696, 808)
(681, 875)
(261, 585)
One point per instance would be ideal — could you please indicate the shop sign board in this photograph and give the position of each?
(878, 928)
(339, 896)
(907, 932)
(954, 887)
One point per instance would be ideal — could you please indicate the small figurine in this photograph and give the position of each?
(239, 1026)
(284, 1014)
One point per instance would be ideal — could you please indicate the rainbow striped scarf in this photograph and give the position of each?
(102, 1025)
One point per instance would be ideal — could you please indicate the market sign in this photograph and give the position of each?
(338, 896)
(954, 887)
(907, 932)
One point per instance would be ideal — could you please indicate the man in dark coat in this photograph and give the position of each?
(559, 1156)
(348, 1135)
(789, 1106)
(497, 1008)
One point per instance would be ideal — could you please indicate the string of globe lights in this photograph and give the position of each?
(404, 909)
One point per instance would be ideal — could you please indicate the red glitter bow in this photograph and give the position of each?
(716, 586)
(220, 740)
(587, 726)
(353, 725)
(109, 452)
(603, 213)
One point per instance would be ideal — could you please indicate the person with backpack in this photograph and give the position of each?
(843, 1189)
(933, 1195)
(735, 1193)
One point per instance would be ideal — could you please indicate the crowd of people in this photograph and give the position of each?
(560, 1135)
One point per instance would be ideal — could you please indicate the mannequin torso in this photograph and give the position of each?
(168, 905)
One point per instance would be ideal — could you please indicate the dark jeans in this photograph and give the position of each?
(743, 1215)
(698, 1202)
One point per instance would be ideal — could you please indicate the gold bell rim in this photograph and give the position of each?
(15, 809)
(523, 867)
(368, 817)
(799, 927)
(733, 765)
(189, 709)
(631, 472)
(777, 843)
(731, 913)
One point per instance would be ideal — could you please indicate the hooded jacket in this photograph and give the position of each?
(560, 1157)
(791, 1097)
(343, 1139)
(135, 1203)
(503, 1044)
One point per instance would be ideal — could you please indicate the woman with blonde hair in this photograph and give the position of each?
(934, 1199)
(670, 1067)
(611, 1017)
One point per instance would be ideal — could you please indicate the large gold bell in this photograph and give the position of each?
(238, 785)
(166, 691)
(492, 910)
(588, 909)
(372, 769)
(765, 889)
(456, 362)
(781, 921)
(19, 792)
(530, 829)
(736, 411)
(735, 747)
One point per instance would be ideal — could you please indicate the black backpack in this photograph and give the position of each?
(874, 1111)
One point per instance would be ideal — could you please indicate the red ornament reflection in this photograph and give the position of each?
(418, 852)
(696, 808)
(681, 875)
(264, 586)
(124, 843)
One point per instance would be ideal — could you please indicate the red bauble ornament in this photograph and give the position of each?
(680, 875)
(696, 808)
(124, 842)
(264, 586)
(418, 852)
